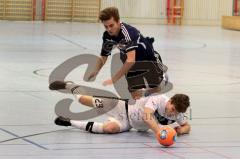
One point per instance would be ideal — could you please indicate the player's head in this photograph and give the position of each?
(177, 104)
(111, 20)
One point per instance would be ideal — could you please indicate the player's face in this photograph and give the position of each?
(170, 109)
(112, 27)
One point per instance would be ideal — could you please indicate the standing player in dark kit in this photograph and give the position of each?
(141, 64)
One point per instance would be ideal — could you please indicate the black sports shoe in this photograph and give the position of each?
(56, 85)
(62, 121)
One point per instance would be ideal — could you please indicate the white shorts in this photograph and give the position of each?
(117, 114)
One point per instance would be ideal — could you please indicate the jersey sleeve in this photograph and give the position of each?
(132, 36)
(132, 45)
(181, 119)
(107, 46)
(157, 102)
(152, 103)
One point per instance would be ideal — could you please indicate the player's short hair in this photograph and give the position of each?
(181, 102)
(108, 13)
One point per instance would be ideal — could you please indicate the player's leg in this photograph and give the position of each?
(135, 83)
(117, 118)
(109, 127)
(90, 101)
(142, 83)
(153, 78)
(105, 104)
(83, 125)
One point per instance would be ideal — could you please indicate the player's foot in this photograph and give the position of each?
(62, 121)
(56, 85)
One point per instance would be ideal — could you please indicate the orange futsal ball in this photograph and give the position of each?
(166, 136)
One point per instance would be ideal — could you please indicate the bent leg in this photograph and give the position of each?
(86, 100)
(109, 127)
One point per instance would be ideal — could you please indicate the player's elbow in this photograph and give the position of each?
(131, 61)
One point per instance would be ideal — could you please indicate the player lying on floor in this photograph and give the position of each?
(146, 113)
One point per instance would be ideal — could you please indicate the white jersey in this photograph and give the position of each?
(158, 104)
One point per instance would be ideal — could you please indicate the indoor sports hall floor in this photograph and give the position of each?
(204, 62)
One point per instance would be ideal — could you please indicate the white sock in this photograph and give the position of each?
(70, 86)
(93, 127)
(77, 96)
(75, 89)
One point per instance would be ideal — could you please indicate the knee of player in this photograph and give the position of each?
(111, 129)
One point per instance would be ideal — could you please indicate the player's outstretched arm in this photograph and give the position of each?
(150, 120)
(127, 65)
(100, 62)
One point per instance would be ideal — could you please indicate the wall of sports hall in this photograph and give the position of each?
(195, 12)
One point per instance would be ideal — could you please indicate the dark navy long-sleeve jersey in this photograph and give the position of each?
(128, 39)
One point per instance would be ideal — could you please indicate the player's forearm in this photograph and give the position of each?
(124, 69)
(100, 62)
(152, 125)
(150, 120)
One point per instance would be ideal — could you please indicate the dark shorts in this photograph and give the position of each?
(143, 75)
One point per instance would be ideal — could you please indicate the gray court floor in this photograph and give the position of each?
(203, 63)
